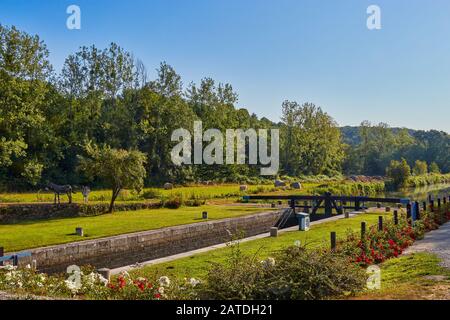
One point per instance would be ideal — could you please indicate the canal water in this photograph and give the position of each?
(420, 193)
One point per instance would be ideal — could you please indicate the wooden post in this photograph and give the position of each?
(79, 231)
(408, 211)
(292, 204)
(432, 205)
(417, 210)
(424, 205)
(380, 223)
(396, 217)
(333, 241)
(15, 260)
(429, 198)
(274, 232)
(439, 203)
(105, 273)
(2, 253)
(328, 205)
(363, 229)
(445, 199)
(204, 215)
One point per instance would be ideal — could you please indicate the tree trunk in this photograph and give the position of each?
(115, 193)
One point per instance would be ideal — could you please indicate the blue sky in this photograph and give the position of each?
(316, 51)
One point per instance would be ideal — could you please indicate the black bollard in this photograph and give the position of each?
(333, 241)
(363, 230)
(396, 217)
(380, 223)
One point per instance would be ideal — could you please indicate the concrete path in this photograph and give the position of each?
(436, 242)
(218, 246)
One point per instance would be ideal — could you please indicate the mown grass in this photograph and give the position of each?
(410, 277)
(192, 192)
(319, 235)
(34, 234)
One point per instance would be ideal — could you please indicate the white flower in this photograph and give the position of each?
(125, 274)
(269, 262)
(72, 286)
(140, 279)
(194, 282)
(161, 290)
(164, 281)
(10, 267)
(28, 266)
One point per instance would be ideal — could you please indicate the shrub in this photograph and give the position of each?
(174, 201)
(294, 273)
(398, 172)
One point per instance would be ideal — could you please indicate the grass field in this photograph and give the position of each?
(318, 235)
(415, 276)
(34, 234)
(193, 192)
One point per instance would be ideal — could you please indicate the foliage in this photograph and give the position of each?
(311, 142)
(104, 95)
(420, 168)
(294, 274)
(398, 172)
(118, 168)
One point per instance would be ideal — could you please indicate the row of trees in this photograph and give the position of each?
(102, 100)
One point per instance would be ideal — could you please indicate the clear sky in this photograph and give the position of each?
(316, 51)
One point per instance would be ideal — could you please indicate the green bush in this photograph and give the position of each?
(294, 274)
(398, 173)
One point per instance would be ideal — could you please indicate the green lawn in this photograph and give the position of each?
(412, 277)
(198, 192)
(34, 234)
(319, 234)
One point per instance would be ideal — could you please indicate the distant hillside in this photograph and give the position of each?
(350, 134)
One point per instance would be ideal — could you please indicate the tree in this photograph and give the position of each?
(434, 168)
(24, 74)
(420, 168)
(398, 172)
(311, 141)
(116, 167)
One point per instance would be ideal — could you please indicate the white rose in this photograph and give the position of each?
(164, 281)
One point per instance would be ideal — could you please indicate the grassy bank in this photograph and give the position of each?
(428, 179)
(415, 276)
(34, 234)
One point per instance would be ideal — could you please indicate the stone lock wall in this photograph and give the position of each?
(127, 249)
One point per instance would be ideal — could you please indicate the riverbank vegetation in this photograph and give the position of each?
(104, 97)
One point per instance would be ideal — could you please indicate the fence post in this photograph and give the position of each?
(445, 199)
(432, 205)
(292, 204)
(363, 230)
(417, 210)
(439, 203)
(333, 241)
(396, 217)
(380, 223)
(424, 204)
(15, 260)
(408, 211)
(2, 252)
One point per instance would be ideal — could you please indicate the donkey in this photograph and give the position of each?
(57, 189)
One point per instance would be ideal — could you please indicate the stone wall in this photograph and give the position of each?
(117, 251)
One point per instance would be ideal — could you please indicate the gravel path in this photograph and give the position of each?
(436, 242)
